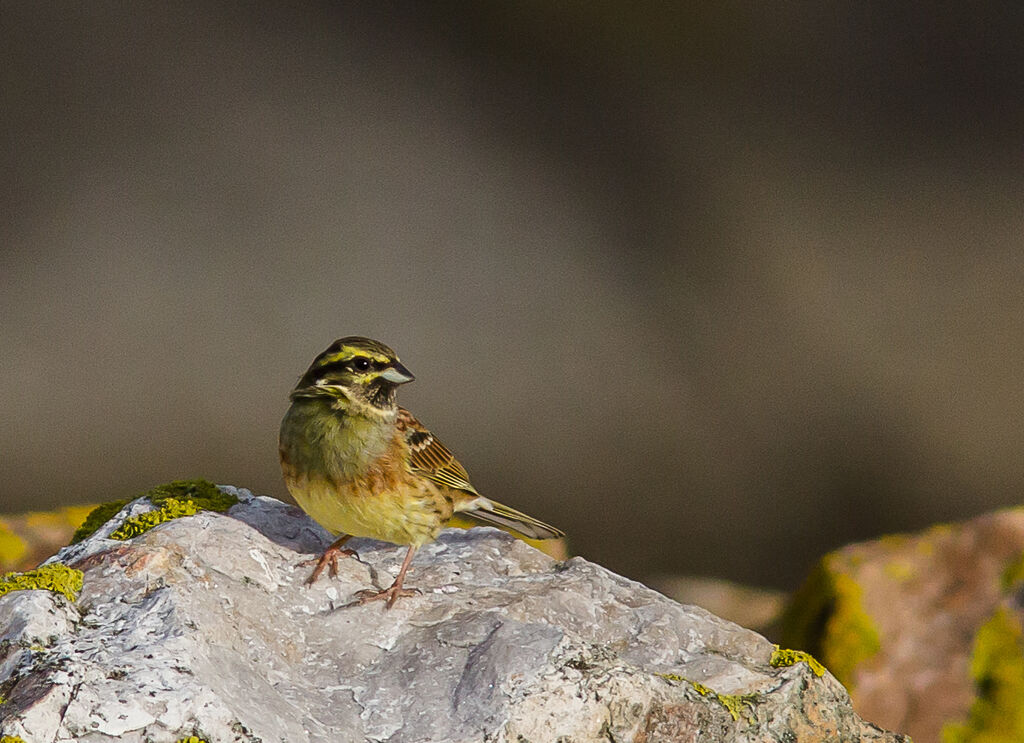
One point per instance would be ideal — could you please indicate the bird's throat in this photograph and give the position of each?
(335, 444)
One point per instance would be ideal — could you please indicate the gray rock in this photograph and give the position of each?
(202, 626)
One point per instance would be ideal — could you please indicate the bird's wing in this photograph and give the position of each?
(431, 459)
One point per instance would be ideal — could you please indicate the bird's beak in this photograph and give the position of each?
(397, 374)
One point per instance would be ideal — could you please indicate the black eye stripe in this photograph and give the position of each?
(334, 366)
(352, 363)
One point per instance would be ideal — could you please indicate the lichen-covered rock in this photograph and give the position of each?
(26, 539)
(925, 629)
(202, 627)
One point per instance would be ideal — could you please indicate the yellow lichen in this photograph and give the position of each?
(997, 669)
(190, 739)
(170, 509)
(174, 500)
(55, 577)
(899, 571)
(738, 704)
(850, 635)
(734, 704)
(826, 616)
(698, 687)
(12, 739)
(781, 658)
(670, 676)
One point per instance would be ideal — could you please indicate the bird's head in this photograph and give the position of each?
(358, 373)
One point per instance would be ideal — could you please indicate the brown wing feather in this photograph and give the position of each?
(430, 458)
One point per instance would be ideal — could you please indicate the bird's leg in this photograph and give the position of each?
(329, 559)
(395, 591)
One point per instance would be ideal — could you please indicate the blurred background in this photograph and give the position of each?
(715, 287)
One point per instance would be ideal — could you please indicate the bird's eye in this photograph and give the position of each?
(360, 363)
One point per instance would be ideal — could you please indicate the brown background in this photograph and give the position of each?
(714, 287)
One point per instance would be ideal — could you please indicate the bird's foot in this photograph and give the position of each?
(390, 594)
(329, 559)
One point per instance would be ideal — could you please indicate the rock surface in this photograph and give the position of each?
(202, 626)
(927, 629)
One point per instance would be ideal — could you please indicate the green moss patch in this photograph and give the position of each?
(55, 577)
(997, 668)
(97, 518)
(203, 492)
(782, 658)
(826, 616)
(173, 500)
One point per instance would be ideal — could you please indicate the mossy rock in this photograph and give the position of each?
(737, 705)
(100, 515)
(54, 577)
(997, 669)
(173, 500)
(782, 658)
(826, 618)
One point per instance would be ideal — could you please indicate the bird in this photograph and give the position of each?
(362, 466)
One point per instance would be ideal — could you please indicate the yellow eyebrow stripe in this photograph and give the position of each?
(348, 353)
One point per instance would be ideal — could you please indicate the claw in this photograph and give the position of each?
(395, 590)
(329, 559)
(392, 594)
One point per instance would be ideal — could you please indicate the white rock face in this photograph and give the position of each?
(202, 626)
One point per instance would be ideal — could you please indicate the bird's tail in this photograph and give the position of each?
(499, 515)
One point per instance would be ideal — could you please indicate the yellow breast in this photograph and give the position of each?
(404, 515)
(350, 475)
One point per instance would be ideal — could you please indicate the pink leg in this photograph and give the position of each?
(395, 591)
(329, 559)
